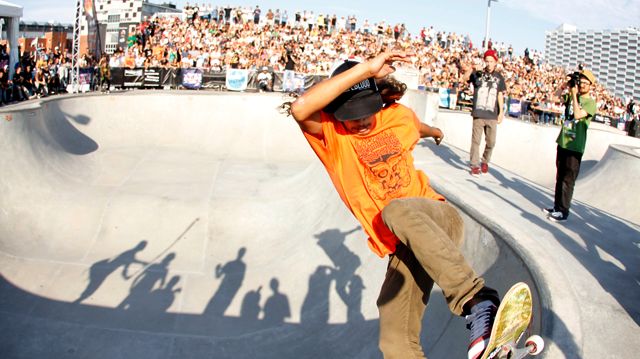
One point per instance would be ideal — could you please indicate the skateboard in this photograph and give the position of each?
(512, 319)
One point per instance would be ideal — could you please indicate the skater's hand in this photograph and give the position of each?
(438, 135)
(382, 65)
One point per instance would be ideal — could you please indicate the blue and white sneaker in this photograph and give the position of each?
(480, 322)
(548, 211)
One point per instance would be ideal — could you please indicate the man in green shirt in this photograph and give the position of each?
(580, 108)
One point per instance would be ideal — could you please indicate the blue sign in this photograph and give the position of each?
(444, 97)
(237, 80)
(515, 107)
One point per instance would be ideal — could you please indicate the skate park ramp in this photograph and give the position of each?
(193, 225)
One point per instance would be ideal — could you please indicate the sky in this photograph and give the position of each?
(520, 23)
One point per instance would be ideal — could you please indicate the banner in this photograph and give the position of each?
(444, 97)
(88, 8)
(515, 107)
(84, 77)
(133, 77)
(125, 77)
(151, 77)
(293, 81)
(192, 78)
(237, 80)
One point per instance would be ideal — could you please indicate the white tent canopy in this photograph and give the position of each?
(13, 13)
(10, 10)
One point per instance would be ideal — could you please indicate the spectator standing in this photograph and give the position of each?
(5, 90)
(634, 119)
(105, 73)
(488, 109)
(256, 15)
(580, 108)
(19, 90)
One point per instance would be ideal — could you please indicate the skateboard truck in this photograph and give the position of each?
(532, 346)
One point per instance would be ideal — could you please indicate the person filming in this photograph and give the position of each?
(580, 108)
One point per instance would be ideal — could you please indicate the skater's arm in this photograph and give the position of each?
(428, 131)
(500, 106)
(306, 109)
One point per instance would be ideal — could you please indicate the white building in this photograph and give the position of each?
(119, 18)
(612, 55)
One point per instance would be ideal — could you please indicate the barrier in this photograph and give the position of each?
(197, 78)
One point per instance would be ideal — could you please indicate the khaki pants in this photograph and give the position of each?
(490, 128)
(431, 233)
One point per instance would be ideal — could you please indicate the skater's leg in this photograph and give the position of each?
(433, 230)
(402, 302)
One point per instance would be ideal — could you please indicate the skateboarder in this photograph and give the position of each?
(365, 141)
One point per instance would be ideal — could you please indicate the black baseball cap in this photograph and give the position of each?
(360, 101)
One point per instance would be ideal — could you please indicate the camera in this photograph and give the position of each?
(574, 79)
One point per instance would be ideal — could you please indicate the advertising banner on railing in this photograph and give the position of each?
(133, 77)
(515, 107)
(292, 81)
(192, 78)
(237, 80)
(444, 97)
(152, 77)
(84, 78)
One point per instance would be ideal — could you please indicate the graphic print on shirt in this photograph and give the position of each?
(387, 173)
(487, 94)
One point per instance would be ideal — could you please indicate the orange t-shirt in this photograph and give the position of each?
(369, 171)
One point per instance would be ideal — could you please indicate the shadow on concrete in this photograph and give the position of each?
(607, 246)
(445, 153)
(65, 134)
(142, 326)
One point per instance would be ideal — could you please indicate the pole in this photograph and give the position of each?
(75, 52)
(486, 31)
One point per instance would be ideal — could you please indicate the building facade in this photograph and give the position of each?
(44, 35)
(119, 18)
(612, 55)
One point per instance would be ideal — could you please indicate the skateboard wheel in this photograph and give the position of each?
(535, 344)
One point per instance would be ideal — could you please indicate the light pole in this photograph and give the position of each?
(486, 32)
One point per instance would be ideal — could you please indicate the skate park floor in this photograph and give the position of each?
(200, 225)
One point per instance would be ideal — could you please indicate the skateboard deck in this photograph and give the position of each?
(512, 319)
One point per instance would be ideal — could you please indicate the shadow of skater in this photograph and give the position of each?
(348, 285)
(353, 299)
(250, 308)
(276, 308)
(232, 275)
(315, 307)
(100, 270)
(145, 282)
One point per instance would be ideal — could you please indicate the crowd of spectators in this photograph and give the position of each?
(39, 73)
(219, 37)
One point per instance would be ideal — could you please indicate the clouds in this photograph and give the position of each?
(585, 14)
